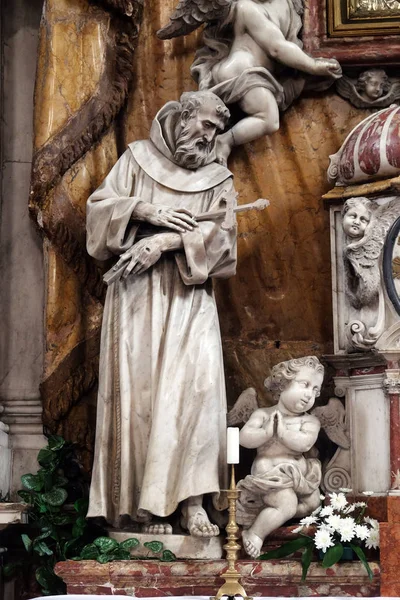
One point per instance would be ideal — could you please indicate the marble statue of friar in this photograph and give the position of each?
(161, 413)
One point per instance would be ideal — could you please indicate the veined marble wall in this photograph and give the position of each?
(21, 256)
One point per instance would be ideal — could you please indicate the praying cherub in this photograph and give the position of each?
(252, 56)
(283, 483)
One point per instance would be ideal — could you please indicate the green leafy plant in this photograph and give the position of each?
(105, 549)
(58, 530)
(338, 526)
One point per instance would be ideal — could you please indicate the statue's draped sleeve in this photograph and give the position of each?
(110, 230)
(209, 250)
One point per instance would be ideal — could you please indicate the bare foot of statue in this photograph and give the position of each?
(157, 528)
(252, 543)
(196, 521)
(223, 148)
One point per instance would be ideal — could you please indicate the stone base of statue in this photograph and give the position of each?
(183, 546)
(150, 578)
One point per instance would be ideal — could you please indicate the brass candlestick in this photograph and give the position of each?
(231, 587)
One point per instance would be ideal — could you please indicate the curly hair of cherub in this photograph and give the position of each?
(283, 373)
(370, 205)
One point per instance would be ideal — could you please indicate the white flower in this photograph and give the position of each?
(368, 493)
(322, 497)
(345, 490)
(373, 522)
(334, 522)
(338, 501)
(346, 529)
(360, 504)
(298, 529)
(373, 539)
(307, 521)
(317, 510)
(326, 511)
(323, 540)
(362, 532)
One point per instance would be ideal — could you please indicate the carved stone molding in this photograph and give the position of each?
(391, 383)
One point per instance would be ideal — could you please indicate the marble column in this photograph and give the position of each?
(21, 256)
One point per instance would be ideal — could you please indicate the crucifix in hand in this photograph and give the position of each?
(228, 214)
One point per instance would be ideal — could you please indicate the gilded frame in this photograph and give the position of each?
(355, 42)
(363, 17)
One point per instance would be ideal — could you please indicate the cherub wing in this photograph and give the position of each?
(190, 14)
(244, 406)
(393, 95)
(365, 253)
(346, 87)
(332, 418)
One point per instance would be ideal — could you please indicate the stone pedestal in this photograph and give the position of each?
(202, 578)
(359, 380)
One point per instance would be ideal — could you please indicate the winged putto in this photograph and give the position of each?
(252, 56)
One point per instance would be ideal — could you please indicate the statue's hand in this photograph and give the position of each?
(327, 67)
(143, 255)
(177, 219)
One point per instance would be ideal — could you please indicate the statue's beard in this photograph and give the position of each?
(192, 152)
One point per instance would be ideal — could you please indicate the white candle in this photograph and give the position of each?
(232, 446)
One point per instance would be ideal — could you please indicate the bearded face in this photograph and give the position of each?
(196, 139)
(191, 150)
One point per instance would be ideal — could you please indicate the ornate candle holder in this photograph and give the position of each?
(232, 586)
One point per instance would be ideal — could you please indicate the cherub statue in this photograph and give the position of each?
(365, 224)
(248, 45)
(372, 89)
(283, 483)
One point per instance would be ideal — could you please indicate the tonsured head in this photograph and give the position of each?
(296, 384)
(203, 117)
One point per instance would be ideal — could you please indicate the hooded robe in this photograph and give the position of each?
(161, 415)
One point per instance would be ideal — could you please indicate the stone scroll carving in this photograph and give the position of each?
(337, 470)
(365, 225)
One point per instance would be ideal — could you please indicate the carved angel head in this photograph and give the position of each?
(284, 373)
(373, 84)
(357, 214)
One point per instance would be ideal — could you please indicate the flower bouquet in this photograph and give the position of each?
(337, 526)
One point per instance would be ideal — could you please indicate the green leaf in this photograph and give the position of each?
(26, 540)
(89, 552)
(49, 581)
(56, 497)
(167, 556)
(155, 546)
(13, 568)
(332, 555)
(26, 496)
(104, 558)
(81, 506)
(42, 549)
(287, 548)
(129, 544)
(56, 442)
(62, 519)
(33, 482)
(60, 481)
(106, 544)
(119, 555)
(46, 458)
(80, 527)
(306, 561)
(363, 559)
